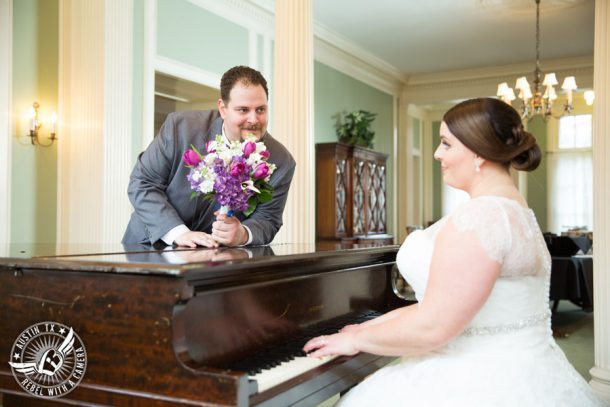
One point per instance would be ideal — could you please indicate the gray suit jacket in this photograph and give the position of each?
(161, 195)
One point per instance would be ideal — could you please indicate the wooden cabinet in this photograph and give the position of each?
(351, 194)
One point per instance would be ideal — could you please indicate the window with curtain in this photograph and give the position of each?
(570, 168)
(452, 197)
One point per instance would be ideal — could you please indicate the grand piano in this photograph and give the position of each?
(196, 327)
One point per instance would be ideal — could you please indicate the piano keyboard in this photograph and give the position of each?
(281, 363)
(269, 378)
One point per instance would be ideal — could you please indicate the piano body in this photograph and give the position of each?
(158, 333)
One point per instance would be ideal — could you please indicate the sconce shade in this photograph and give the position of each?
(589, 97)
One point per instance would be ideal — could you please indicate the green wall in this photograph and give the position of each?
(537, 190)
(334, 93)
(190, 34)
(35, 78)
(437, 177)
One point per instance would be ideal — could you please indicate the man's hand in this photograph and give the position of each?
(204, 255)
(228, 231)
(193, 239)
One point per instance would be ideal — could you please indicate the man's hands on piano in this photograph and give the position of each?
(203, 255)
(193, 239)
(341, 343)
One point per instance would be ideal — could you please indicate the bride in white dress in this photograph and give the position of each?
(480, 334)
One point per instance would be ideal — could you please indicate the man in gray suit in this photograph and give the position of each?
(161, 195)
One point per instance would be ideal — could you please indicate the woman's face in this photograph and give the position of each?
(457, 162)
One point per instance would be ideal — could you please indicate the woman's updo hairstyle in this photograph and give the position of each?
(492, 129)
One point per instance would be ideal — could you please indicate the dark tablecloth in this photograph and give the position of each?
(572, 279)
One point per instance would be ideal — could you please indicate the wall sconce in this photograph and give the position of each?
(36, 124)
(589, 97)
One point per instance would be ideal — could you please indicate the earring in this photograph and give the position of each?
(477, 167)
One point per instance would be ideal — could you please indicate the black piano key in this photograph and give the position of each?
(293, 347)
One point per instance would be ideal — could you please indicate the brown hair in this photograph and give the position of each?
(492, 129)
(243, 74)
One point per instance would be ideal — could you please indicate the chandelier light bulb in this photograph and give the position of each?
(502, 89)
(538, 99)
(522, 83)
(569, 83)
(509, 95)
(549, 79)
(550, 93)
(525, 94)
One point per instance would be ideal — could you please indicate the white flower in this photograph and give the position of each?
(260, 146)
(209, 159)
(207, 186)
(250, 185)
(226, 156)
(249, 137)
(255, 158)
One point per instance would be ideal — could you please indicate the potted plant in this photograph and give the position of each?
(355, 128)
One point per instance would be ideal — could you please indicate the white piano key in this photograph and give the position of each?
(287, 370)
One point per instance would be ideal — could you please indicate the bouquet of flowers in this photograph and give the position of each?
(236, 175)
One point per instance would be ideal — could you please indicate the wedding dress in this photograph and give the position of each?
(506, 356)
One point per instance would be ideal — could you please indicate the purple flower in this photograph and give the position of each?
(265, 154)
(230, 192)
(249, 148)
(237, 169)
(191, 158)
(261, 171)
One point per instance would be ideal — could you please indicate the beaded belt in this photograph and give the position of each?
(506, 328)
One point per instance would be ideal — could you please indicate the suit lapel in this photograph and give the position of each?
(215, 129)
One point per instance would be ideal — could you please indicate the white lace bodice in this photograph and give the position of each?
(510, 234)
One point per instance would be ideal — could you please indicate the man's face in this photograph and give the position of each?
(245, 112)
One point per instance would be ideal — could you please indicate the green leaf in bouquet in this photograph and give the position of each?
(251, 205)
(264, 196)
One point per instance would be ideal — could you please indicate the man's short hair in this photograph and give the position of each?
(244, 75)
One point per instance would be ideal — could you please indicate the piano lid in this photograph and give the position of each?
(145, 259)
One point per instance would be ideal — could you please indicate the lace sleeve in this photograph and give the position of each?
(489, 221)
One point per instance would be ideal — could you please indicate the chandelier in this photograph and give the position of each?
(535, 102)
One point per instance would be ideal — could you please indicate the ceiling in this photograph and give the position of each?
(430, 36)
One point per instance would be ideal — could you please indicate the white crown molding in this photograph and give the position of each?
(329, 47)
(6, 41)
(355, 67)
(242, 12)
(349, 47)
(458, 85)
(494, 72)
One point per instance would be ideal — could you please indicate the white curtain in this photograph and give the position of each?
(452, 197)
(570, 190)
